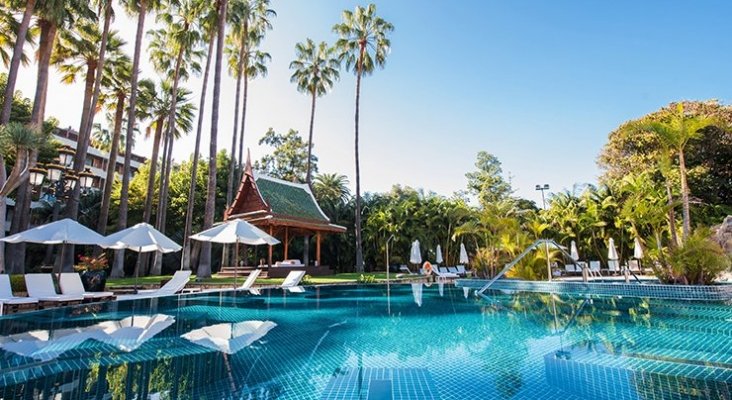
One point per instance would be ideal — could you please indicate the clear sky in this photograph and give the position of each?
(539, 84)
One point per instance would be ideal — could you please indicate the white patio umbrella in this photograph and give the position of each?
(438, 255)
(463, 254)
(229, 337)
(637, 249)
(573, 251)
(142, 238)
(415, 256)
(65, 231)
(235, 231)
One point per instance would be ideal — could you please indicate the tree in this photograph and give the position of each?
(51, 16)
(363, 44)
(204, 266)
(22, 35)
(209, 26)
(141, 8)
(116, 80)
(316, 68)
(289, 159)
(487, 183)
(331, 189)
(17, 141)
(675, 131)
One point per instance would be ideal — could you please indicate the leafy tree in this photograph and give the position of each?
(363, 45)
(22, 35)
(487, 183)
(316, 68)
(288, 160)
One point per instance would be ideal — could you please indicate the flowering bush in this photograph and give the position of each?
(92, 263)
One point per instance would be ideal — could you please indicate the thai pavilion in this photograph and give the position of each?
(285, 210)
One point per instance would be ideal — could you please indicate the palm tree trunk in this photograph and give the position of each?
(686, 226)
(671, 216)
(21, 217)
(231, 182)
(187, 230)
(308, 178)
(165, 185)
(13, 71)
(245, 71)
(359, 248)
(111, 166)
(150, 193)
(118, 267)
(204, 267)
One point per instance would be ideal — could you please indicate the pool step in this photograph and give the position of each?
(605, 376)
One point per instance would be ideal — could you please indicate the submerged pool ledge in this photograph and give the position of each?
(654, 290)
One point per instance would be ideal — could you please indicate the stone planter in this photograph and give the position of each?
(94, 281)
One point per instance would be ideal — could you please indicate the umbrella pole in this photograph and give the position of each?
(236, 261)
(137, 267)
(61, 264)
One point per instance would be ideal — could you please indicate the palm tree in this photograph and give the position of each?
(316, 69)
(77, 54)
(674, 133)
(141, 8)
(363, 46)
(251, 18)
(22, 142)
(116, 81)
(51, 16)
(208, 24)
(22, 35)
(204, 266)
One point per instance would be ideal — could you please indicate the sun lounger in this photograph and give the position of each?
(70, 283)
(452, 270)
(41, 287)
(250, 280)
(613, 266)
(634, 266)
(595, 268)
(11, 303)
(173, 286)
(570, 268)
(443, 270)
(461, 270)
(444, 275)
(292, 281)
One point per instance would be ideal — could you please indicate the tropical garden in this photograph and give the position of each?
(667, 176)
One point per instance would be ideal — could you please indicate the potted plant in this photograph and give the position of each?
(93, 272)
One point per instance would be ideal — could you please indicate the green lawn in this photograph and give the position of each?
(227, 281)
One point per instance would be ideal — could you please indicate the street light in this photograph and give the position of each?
(542, 188)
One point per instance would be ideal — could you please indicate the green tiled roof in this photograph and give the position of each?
(289, 199)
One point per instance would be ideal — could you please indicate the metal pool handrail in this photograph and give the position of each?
(523, 254)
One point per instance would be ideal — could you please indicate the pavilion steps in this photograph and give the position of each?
(240, 272)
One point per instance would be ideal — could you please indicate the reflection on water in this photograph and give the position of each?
(357, 340)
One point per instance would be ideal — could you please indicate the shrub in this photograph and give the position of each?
(306, 280)
(367, 279)
(17, 283)
(698, 261)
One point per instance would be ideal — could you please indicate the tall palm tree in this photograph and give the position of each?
(116, 80)
(204, 266)
(208, 24)
(21, 141)
(674, 133)
(141, 8)
(363, 45)
(22, 35)
(316, 68)
(51, 16)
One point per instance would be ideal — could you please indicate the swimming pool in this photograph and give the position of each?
(370, 342)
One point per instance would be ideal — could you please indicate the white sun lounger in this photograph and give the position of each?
(250, 280)
(444, 275)
(461, 270)
(41, 287)
(173, 286)
(70, 283)
(8, 300)
(292, 281)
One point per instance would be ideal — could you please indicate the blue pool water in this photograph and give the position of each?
(367, 342)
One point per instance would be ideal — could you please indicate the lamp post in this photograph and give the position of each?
(542, 188)
(57, 181)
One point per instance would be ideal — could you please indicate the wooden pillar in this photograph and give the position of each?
(269, 259)
(287, 242)
(317, 248)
